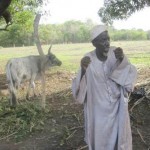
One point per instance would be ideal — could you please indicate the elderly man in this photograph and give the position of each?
(103, 83)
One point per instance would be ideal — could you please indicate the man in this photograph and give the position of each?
(103, 83)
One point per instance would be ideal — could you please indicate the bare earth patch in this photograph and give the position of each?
(63, 128)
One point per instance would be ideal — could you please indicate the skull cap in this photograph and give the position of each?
(97, 30)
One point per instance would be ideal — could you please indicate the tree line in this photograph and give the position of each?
(68, 32)
(21, 15)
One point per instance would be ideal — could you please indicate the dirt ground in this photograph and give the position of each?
(63, 129)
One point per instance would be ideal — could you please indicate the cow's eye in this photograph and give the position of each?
(52, 57)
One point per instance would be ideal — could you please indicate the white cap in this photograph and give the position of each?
(97, 30)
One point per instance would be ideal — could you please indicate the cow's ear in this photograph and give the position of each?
(49, 50)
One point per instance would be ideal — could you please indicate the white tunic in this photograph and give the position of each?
(103, 90)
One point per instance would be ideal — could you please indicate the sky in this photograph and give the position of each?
(64, 10)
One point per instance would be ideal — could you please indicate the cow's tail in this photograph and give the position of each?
(11, 84)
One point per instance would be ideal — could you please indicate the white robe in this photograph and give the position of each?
(103, 91)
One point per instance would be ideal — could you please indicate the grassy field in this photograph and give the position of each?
(70, 54)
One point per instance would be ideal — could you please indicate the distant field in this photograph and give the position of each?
(70, 54)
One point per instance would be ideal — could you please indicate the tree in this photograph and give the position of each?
(4, 12)
(120, 9)
(18, 10)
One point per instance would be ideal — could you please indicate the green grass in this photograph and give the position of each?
(138, 53)
(21, 121)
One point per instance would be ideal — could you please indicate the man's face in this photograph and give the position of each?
(102, 42)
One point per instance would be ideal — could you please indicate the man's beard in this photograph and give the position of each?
(105, 54)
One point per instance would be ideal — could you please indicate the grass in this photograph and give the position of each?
(20, 121)
(70, 54)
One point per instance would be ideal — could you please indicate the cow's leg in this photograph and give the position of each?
(33, 86)
(10, 97)
(28, 91)
(43, 91)
(13, 97)
(30, 86)
(12, 92)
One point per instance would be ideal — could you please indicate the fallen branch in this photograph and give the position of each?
(139, 133)
(71, 135)
(78, 118)
(143, 139)
(141, 136)
(73, 128)
(82, 147)
(7, 136)
(137, 102)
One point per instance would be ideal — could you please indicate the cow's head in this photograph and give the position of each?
(52, 59)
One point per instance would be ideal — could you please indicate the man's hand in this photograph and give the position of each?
(85, 61)
(119, 53)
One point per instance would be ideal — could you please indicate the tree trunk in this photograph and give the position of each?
(36, 35)
(4, 5)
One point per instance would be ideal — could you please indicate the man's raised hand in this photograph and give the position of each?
(85, 61)
(119, 53)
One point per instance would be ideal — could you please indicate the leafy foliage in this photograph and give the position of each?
(20, 11)
(69, 32)
(21, 121)
(120, 9)
(4, 13)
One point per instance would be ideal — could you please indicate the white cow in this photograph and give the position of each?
(19, 70)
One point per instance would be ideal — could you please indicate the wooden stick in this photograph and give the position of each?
(71, 135)
(82, 147)
(141, 136)
(73, 128)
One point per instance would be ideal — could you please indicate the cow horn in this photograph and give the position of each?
(49, 50)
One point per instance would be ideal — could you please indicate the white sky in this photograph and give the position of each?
(64, 10)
